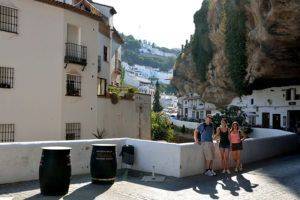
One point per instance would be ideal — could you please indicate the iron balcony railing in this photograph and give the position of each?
(76, 54)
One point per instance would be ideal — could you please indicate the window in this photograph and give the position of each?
(6, 77)
(105, 54)
(252, 101)
(73, 85)
(284, 121)
(101, 88)
(117, 59)
(8, 19)
(7, 132)
(288, 94)
(73, 131)
(99, 64)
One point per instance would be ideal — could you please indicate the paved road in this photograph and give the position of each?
(274, 179)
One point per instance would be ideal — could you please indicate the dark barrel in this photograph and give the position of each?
(103, 164)
(55, 171)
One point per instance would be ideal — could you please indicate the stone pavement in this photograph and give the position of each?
(277, 178)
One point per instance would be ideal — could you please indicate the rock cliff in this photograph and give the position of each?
(238, 46)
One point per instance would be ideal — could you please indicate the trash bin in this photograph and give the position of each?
(127, 154)
(55, 171)
(103, 165)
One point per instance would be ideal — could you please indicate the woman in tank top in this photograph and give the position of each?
(236, 139)
(224, 144)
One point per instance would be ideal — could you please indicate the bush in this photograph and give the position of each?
(161, 127)
(114, 97)
(183, 129)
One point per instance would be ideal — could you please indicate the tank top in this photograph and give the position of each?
(224, 137)
(235, 138)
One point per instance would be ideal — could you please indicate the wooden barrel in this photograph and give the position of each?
(103, 163)
(55, 171)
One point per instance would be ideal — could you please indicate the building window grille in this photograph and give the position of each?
(8, 19)
(7, 132)
(105, 53)
(99, 64)
(6, 77)
(73, 131)
(73, 85)
(101, 88)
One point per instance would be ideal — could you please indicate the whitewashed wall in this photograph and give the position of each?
(20, 161)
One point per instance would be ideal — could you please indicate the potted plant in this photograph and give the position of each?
(114, 97)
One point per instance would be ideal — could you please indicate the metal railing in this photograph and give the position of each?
(76, 54)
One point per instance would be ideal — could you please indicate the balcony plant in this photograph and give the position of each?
(114, 97)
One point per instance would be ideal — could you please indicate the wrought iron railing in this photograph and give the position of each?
(76, 54)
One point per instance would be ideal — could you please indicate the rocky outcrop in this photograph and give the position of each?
(272, 50)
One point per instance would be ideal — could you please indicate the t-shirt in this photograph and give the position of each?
(206, 132)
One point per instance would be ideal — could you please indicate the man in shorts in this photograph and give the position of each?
(203, 135)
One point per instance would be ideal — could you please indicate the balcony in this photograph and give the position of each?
(76, 54)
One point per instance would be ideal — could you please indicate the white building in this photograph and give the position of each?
(191, 107)
(49, 68)
(276, 107)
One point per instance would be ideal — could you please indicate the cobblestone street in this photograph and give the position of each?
(277, 178)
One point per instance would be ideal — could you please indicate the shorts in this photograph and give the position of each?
(224, 146)
(208, 150)
(236, 146)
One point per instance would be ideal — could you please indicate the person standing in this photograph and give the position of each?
(203, 135)
(224, 144)
(236, 139)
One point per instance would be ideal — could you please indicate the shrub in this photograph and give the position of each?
(183, 129)
(114, 97)
(161, 127)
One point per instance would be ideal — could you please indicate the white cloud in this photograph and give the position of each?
(166, 22)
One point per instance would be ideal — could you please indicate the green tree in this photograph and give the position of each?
(156, 104)
(161, 127)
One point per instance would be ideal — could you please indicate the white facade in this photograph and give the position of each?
(276, 107)
(51, 84)
(193, 108)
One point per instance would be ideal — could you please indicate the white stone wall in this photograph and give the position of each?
(20, 161)
(278, 104)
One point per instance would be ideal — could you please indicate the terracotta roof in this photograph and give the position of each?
(94, 14)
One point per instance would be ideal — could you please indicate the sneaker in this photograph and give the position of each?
(228, 171)
(208, 173)
(236, 169)
(213, 173)
(224, 171)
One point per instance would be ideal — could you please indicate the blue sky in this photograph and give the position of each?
(166, 22)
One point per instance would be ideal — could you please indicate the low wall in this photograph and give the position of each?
(190, 125)
(254, 149)
(20, 161)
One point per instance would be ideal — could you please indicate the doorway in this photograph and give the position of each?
(266, 120)
(294, 121)
(276, 121)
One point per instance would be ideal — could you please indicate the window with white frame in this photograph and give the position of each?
(101, 88)
(8, 19)
(6, 77)
(7, 132)
(73, 131)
